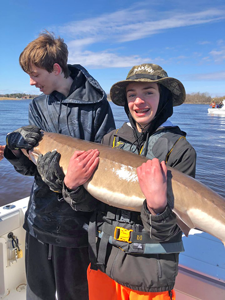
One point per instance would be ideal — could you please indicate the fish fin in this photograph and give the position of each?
(184, 227)
(184, 222)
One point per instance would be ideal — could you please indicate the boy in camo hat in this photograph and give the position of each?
(132, 264)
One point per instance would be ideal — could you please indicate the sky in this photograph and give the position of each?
(186, 38)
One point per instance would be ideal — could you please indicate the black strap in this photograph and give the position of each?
(139, 76)
(92, 229)
(102, 251)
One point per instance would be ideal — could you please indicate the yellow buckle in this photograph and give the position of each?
(122, 234)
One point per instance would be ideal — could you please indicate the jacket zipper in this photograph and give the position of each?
(159, 267)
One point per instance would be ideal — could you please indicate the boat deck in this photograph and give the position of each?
(201, 268)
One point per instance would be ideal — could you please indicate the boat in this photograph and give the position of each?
(201, 272)
(217, 111)
(12, 237)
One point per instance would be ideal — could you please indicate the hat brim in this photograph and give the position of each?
(118, 90)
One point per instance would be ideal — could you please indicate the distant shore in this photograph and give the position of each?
(186, 102)
(3, 98)
(18, 99)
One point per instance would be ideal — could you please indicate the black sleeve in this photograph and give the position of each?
(79, 200)
(22, 164)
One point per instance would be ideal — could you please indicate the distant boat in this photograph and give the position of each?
(217, 111)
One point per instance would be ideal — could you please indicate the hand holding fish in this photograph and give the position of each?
(81, 167)
(50, 171)
(152, 177)
(25, 137)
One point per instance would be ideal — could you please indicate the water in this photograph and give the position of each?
(206, 133)
(13, 186)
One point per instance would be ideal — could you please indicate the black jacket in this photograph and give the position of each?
(84, 114)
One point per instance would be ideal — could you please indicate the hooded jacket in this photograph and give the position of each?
(136, 260)
(84, 114)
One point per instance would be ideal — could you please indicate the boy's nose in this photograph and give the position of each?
(32, 81)
(139, 100)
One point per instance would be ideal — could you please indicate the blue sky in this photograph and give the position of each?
(186, 38)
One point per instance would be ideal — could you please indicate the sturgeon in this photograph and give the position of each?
(115, 182)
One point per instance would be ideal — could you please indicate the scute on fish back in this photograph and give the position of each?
(115, 182)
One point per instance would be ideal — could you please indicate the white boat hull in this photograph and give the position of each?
(12, 270)
(216, 111)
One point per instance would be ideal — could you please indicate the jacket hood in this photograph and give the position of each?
(84, 89)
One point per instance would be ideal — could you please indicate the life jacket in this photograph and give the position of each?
(123, 228)
(160, 144)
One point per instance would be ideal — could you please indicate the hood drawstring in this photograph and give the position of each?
(50, 251)
(60, 109)
(146, 148)
(67, 117)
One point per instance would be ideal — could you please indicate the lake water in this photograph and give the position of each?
(206, 133)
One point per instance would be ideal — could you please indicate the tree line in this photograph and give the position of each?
(18, 95)
(194, 98)
(202, 98)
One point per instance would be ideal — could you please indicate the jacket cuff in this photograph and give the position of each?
(162, 227)
(17, 162)
(79, 199)
(145, 213)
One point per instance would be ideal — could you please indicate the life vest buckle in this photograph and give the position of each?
(122, 234)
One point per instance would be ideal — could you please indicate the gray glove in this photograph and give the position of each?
(51, 172)
(25, 137)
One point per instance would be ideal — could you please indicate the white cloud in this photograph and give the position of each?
(80, 43)
(146, 28)
(130, 25)
(105, 59)
(204, 42)
(127, 25)
(207, 76)
(206, 58)
(220, 42)
(218, 55)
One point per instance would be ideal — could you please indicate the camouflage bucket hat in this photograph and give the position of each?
(148, 73)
